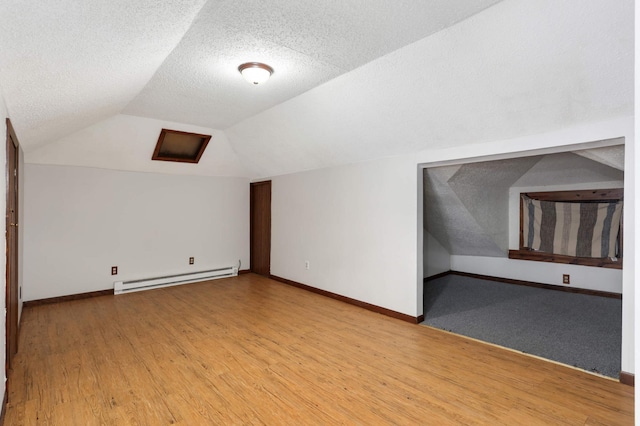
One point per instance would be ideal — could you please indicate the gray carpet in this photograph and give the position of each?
(575, 329)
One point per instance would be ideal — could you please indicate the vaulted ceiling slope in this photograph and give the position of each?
(353, 80)
(67, 64)
(518, 68)
(306, 42)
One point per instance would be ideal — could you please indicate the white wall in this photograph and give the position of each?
(81, 221)
(435, 258)
(361, 226)
(356, 225)
(591, 278)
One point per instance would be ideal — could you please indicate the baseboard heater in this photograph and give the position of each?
(121, 287)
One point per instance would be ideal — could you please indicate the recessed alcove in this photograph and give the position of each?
(472, 222)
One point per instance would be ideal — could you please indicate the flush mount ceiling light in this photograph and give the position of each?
(255, 72)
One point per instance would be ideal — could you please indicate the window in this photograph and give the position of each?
(576, 227)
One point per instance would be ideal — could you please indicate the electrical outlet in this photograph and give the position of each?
(192, 261)
(565, 279)
(114, 270)
(306, 264)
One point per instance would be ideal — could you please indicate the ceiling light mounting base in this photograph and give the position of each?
(255, 72)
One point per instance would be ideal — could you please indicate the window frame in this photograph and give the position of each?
(611, 194)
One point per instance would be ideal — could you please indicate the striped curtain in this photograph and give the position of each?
(572, 229)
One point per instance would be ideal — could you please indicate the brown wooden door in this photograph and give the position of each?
(260, 228)
(12, 246)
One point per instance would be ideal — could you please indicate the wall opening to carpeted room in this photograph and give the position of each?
(472, 221)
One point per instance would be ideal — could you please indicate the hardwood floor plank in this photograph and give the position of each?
(249, 350)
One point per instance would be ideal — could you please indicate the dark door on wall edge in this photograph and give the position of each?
(12, 247)
(260, 227)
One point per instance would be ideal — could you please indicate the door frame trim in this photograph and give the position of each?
(11, 138)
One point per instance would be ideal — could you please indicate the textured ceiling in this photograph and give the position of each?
(467, 210)
(483, 188)
(568, 169)
(517, 68)
(307, 42)
(466, 207)
(612, 156)
(67, 64)
(449, 221)
(354, 79)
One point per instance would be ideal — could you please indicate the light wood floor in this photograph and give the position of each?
(249, 350)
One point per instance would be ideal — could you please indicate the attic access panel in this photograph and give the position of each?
(183, 147)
